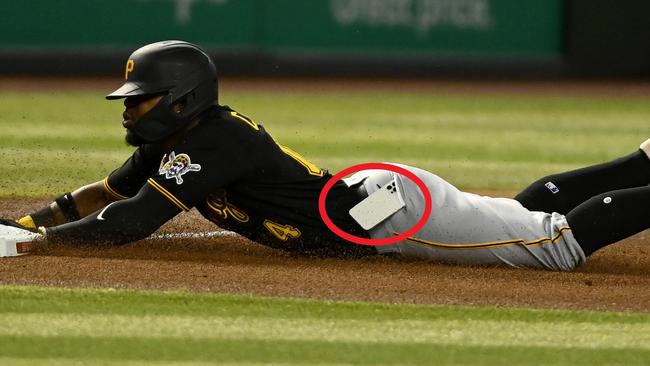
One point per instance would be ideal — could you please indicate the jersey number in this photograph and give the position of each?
(282, 232)
(223, 208)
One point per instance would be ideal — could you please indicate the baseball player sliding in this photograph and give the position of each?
(192, 152)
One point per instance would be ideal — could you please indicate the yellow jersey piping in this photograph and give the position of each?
(168, 195)
(245, 120)
(311, 167)
(112, 191)
(488, 245)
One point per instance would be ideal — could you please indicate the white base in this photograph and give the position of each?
(10, 248)
(15, 241)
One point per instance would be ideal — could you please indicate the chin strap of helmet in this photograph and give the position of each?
(159, 122)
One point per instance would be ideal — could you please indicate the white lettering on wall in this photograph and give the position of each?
(462, 14)
(421, 15)
(183, 8)
(372, 12)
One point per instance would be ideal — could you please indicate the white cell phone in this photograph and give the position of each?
(378, 206)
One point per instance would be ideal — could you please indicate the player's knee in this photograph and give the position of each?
(548, 195)
(536, 196)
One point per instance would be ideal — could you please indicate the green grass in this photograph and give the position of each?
(54, 142)
(64, 326)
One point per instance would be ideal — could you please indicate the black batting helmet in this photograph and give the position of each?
(178, 70)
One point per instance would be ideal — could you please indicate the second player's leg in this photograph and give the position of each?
(563, 192)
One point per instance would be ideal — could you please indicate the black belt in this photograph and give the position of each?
(356, 193)
(360, 193)
(359, 190)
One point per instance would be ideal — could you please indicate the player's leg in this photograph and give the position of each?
(609, 217)
(563, 192)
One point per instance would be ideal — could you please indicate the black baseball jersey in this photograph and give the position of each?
(237, 176)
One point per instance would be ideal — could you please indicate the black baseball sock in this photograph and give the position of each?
(610, 217)
(563, 192)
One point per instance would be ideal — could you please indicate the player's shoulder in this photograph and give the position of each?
(238, 118)
(223, 117)
(222, 126)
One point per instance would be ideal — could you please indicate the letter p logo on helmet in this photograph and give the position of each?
(130, 66)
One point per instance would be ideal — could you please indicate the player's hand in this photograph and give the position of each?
(17, 241)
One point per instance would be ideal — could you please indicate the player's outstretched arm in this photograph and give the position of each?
(21, 236)
(69, 207)
(117, 223)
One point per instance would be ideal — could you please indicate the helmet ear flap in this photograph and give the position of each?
(180, 106)
(197, 99)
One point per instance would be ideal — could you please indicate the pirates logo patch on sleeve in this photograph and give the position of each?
(178, 165)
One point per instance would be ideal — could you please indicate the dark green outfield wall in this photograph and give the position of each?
(353, 37)
(467, 28)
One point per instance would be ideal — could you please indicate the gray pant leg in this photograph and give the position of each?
(468, 229)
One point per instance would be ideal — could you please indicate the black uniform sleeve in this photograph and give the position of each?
(201, 165)
(127, 180)
(118, 223)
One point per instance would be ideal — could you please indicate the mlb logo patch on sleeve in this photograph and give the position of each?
(552, 187)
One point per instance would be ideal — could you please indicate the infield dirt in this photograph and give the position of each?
(616, 278)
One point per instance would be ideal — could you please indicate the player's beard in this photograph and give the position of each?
(132, 139)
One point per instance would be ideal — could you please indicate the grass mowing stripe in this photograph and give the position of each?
(13, 361)
(25, 299)
(190, 320)
(435, 332)
(65, 153)
(434, 132)
(307, 352)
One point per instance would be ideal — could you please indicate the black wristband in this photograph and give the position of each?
(67, 207)
(44, 217)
